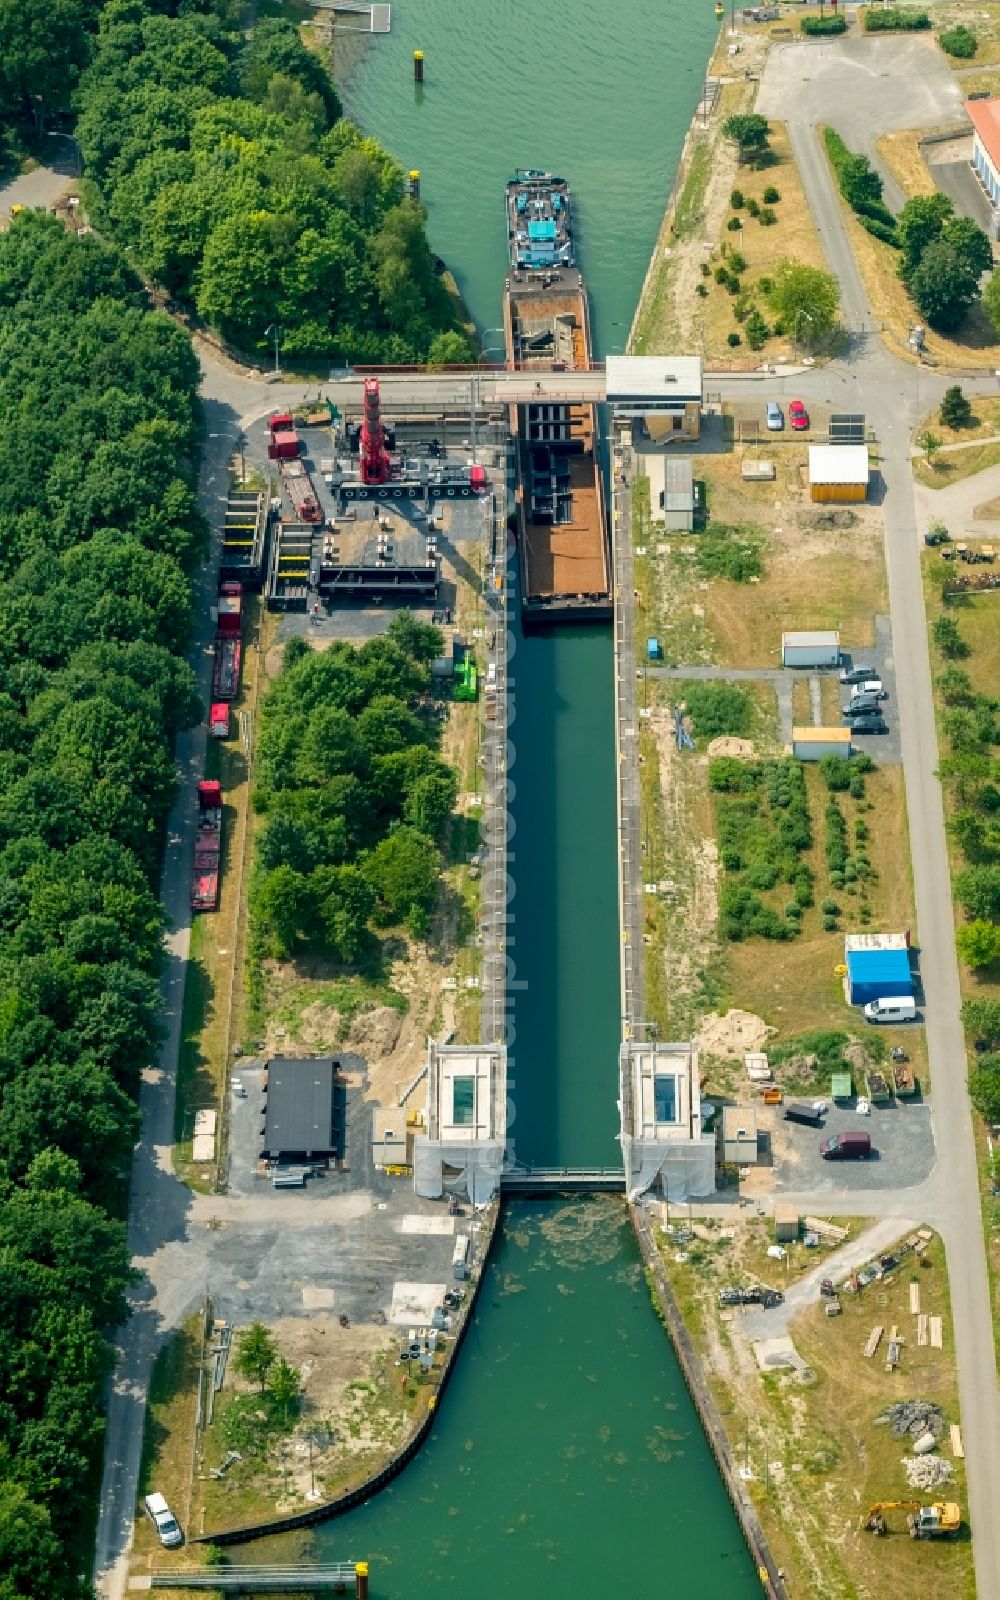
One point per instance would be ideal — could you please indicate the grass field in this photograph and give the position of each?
(168, 1441)
(812, 1456)
(901, 153)
(793, 235)
(984, 21)
(793, 985)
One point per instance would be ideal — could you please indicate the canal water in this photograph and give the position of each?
(567, 1457)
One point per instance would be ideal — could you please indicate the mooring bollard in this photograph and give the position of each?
(418, 66)
(361, 1580)
(414, 184)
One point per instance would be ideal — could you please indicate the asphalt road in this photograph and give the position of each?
(159, 1203)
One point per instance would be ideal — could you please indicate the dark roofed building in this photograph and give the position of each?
(305, 1110)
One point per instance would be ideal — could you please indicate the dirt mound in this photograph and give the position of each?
(732, 1034)
(728, 745)
(376, 1033)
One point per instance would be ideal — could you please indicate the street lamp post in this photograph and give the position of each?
(795, 328)
(273, 328)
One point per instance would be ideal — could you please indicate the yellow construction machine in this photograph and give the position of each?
(941, 1520)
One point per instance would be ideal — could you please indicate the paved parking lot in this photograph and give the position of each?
(902, 1151)
(882, 747)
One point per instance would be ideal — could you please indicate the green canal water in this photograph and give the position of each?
(567, 1458)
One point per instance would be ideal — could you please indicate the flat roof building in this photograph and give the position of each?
(463, 1147)
(662, 1139)
(985, 118)
(305, 1109)
(816, 648)
(810, 743)
(878, 967)
(666, 391)
(838, 472)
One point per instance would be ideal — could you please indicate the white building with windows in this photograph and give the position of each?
(985, 118)
(663, 1145)
(463, 1148)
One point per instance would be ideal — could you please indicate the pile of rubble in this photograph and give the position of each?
(914, 1417)
(927, 1473)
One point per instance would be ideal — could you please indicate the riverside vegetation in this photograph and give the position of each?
(99, 534)
(220, 162)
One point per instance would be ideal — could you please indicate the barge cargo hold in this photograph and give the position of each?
(562, 530)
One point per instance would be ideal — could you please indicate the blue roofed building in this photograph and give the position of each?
(878, 966)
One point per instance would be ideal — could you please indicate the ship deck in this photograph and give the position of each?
(569, 558)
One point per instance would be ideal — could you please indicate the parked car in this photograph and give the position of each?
(857, 674)
(775, 417)
(865, 705)
(891, 1008)
(160, 1515)
(802, 1111)
(869, 724)
(798, 416)
(869, 686)
(846, 1147)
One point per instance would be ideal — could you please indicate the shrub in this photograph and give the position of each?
(959, 41)
(771, 195)
(758, 331)
(956, 409)
(701, 291)
(822, 27)
(984, 1088)
(765, 285)
(857, 787)
(948, 638)
(737, 262)
(736, 199)
(706, 270)
(767, 217)
(753, 207)
(718, 708)
(727, 775)
(904, 19)
(729, 551)
(835, 772)
(982, 1018)
(721, 274)
(829, 924)
(830, 908)
(886, 231)
(733, 224)
(733, 284)
(836, 880)
(733, 339)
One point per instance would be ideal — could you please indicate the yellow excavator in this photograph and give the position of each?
(941, 1520)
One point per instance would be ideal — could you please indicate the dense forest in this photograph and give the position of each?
(354, 795)
(220, 162)
(99, 531)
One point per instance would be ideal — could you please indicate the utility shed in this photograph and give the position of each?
(838, 472)
(678, 494)
(389, 1142)
(305, 1109)
(820, 649)
(739, 1136)
(812, 744)
(877, 974)
(786, 1224)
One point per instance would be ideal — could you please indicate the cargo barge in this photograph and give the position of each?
(562, 530)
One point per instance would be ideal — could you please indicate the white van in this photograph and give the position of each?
(894, 1008)
(163, 1520)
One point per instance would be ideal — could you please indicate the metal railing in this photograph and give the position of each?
(567, 1180)
(494, 758)
(260, 1580)
(630, 866)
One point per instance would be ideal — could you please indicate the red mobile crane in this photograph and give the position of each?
(374, 455)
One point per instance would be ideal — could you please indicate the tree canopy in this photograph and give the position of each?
(806, 299)
(354, 794)
(221, 163)
(99, 536)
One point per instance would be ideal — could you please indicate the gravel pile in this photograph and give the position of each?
(913, 1417)
(927, 1472)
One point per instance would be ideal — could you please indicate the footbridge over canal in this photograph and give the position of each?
(633, 385)
(563, 1180)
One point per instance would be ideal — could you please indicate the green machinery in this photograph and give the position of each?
(466, 678)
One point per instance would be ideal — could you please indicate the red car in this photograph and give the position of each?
(798, 416)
